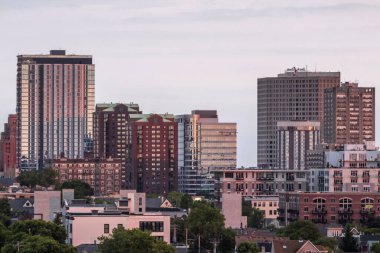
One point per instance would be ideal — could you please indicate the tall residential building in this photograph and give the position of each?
(8, 147)
(55, 103)
(296, 94)
(111, 132)
(350, 114)
(294, 139)
(152, 165)
(204, 145)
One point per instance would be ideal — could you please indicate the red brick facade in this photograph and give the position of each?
(103, 175)
(343, 207)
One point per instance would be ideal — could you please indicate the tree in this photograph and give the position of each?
(375, 248)
(81, 189)
(45, 178)
(175, 198)
(37, 244)
(248, 247)
(301, 229)
(329, 242)
(28, 178)
(227, 241)
(206, 222)
(186, 202)
(137, 241)
(349, 243)
(5, 208)
(39, 227)
(255, 217)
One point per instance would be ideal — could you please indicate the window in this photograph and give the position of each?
(106, 228)
(306, 217)
(120, 226)
(153, 226)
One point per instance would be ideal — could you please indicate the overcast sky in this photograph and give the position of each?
(180, 55)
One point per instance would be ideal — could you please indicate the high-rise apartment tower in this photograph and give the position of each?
(55, 103)
(296, 94)
(349, 114)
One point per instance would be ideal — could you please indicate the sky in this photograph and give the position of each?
(179, 55)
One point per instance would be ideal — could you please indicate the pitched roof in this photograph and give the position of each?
(287, 246)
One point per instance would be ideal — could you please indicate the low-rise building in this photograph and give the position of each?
(254, 181)
(336, 207)
(267, 204)
(103, 175)
(85, 223)
(347, 168)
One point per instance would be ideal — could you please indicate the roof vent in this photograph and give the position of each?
(57, 52)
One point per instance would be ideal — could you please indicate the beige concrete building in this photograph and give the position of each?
(349, 114)
(297, 94)
(204, 145)
(267, 204)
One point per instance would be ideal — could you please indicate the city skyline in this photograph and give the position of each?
(177, 57)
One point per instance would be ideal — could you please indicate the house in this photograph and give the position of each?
(22, 208)
(296, 246)
(163, 206)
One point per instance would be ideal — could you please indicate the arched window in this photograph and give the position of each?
(345, 204)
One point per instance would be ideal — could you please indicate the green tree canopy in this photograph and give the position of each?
(349, 243)
(39, 227)
(301, 229)
(255, 217)
(205, 221)
(248, 247)
(136, 241)
(81, 189)
(186, 202)
(37, 244)
(375, 248)
(45, 178)
(175, 198)
(227, 241)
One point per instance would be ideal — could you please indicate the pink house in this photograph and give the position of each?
(85, 223)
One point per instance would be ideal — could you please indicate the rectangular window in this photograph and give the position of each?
(120, 226)
(153, 226)
(106, 228)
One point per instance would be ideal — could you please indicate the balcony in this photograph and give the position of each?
(317, 220)
(345, 211)
(367, 211)
(319, 211)
(265, 178)
(290, 178)
(239, 178)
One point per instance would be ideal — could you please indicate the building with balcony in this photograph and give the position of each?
(294, 140)
(336, 207)
(55, 103)
(346, 168)
(349, 114)
(254, 181)
(296, 95)
(103, 175)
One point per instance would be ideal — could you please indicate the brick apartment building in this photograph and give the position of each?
(103, 175)
(337, 207)
(153, 157)
(8, 147)
(349, 114)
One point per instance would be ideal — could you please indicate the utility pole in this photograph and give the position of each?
(186, 245)
(199, 243)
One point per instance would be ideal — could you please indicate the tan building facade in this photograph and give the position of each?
(349, 114)
(297, 95)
